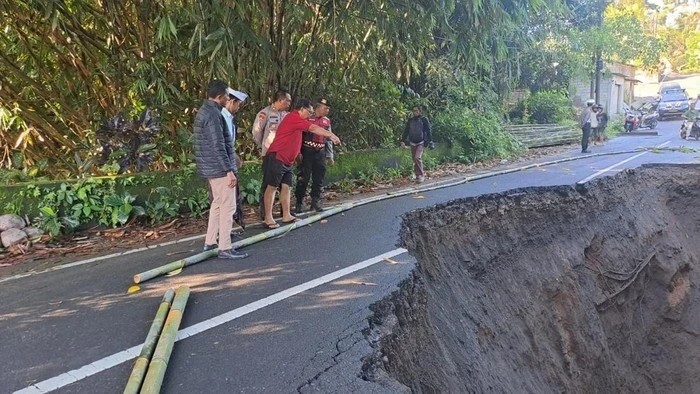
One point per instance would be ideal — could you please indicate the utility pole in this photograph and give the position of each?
(598, 62)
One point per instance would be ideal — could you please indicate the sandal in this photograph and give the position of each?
(271, 226)
(296, 219)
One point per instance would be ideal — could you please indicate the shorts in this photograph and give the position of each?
(276, 172)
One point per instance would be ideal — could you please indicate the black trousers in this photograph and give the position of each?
(586, 136)
(312, 168)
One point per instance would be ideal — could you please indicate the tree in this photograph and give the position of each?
(66, 64)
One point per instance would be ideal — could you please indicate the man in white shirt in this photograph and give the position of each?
(236, 99)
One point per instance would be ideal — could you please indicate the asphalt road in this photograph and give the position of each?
(54, 323)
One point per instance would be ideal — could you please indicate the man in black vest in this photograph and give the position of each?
(313, 159)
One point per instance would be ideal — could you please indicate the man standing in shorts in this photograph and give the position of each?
(280, 157)
(265, 128)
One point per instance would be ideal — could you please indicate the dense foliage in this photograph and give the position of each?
(67, 64)
(546, 107)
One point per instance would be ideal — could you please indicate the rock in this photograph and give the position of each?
(12, 236)
(11, 221)
(33, 232)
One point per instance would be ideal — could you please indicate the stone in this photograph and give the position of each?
(33, 232)
(12, 236)
(11, 221)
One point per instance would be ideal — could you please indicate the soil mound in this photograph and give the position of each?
(590, 288)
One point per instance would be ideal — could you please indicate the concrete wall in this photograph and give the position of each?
(616, 88)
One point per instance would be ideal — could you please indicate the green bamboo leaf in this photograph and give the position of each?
(173, 30)
(216, 50)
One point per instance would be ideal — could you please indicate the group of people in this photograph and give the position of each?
(316, 151)
(593, 122)
(302, 136)
(283, 137)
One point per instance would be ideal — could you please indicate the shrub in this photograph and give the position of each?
(127, 143)
(548, 106)
(480, 134)
(518, 114)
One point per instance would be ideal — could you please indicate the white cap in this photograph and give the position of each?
(236, 94)
(590, 102)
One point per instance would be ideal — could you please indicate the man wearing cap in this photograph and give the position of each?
(215, 162)
(235, 100)
(280, 157)
(313, 159)
(265, 128)
(585, 123)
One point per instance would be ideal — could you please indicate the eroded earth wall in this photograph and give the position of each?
(592, 288)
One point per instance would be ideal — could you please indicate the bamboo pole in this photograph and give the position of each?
(133, 385)
(175, 265)
(164, 269)
(166, 342)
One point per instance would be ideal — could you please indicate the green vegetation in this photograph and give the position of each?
(548, 106)
(68, 64)
(91, 90)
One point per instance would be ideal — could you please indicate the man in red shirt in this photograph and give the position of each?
(280, 157)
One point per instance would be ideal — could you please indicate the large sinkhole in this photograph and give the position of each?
(592, 288)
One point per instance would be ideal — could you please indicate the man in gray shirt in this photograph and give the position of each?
(585, 123)
(267, 120)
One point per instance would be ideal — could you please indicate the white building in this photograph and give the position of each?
(616, 88)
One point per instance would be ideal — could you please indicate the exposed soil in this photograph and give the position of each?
(592, 288)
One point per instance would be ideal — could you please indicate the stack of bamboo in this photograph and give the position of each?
(539, 135)
(149, 369)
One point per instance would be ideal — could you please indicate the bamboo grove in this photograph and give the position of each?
(66, 64)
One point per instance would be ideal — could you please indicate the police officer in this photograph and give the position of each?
(315, 150)
(265, 129)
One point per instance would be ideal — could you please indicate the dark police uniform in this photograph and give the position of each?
(313, 165)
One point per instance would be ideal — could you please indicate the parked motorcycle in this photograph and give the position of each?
(691, 130)
(630, 121)
(641, 119)
(684, 129)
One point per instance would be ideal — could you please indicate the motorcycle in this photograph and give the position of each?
(630, 121)
(694, 127)
(641, 119)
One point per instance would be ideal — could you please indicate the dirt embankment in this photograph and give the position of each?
(559, 289)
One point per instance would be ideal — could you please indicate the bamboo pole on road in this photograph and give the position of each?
(164, 269)
(133, 385)
(166, 342)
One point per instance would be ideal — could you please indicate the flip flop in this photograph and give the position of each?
(296, 219)
(271, 226)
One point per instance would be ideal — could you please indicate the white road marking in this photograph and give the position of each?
(113, 360)
(99, 258)
(612, 167)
